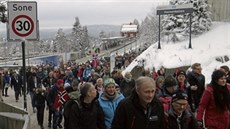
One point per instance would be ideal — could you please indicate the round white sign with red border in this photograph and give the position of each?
(22, 25)
(22, 20)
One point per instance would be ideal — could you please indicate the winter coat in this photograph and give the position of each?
(186, 121)
(109, 107)
(73, 97)
(213, 119)
(195, 96)
(131, 115)
(6, 78)
(80, 73)
(52, 96)
(86, 73)
(1, 82)
(126, 87)
(31, 83)
(40, 98)
(86, 116)
(16, 82)
(48, 81)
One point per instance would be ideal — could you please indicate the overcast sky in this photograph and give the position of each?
(62, 13)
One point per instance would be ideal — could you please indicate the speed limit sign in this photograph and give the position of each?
(23, 22)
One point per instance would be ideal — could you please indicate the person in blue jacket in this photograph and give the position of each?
(109, 101)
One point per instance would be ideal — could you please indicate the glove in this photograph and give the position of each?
(200, 124)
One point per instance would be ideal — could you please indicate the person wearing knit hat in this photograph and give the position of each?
(57, 96)
(169, 87)
(181, 80)
(109, 98)
(60, 82)
(179, 95)
(170, 81)
(178, 114)
(181, 72)
(109, 81)
(85, 111)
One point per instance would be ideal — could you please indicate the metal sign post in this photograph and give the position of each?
(22, 25)
(175, 9)
(24, 74)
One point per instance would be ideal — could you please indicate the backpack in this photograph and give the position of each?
(67, 110)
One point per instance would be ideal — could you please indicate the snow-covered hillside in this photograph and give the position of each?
(205, 49)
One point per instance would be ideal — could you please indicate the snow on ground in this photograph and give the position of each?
(205, 49)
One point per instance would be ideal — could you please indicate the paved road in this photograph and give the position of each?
(33, 120)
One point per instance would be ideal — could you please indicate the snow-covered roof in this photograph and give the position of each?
(129, 28)
(112, 38)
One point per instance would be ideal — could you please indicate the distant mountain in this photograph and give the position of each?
(93, 30)
(111, 30)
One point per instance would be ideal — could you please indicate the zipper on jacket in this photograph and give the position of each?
(133, 122)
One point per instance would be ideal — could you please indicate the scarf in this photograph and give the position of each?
(110, 97)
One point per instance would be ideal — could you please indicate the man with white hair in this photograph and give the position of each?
(141, 110)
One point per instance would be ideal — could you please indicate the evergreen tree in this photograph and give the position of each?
(102, 34)
(176, 27)
(148, 31)
(60, 41)
(77, 33)
(201, 21)
(85, 38)
(80, 36)
(135, 22)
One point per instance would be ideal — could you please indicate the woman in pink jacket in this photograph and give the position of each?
(215, 103)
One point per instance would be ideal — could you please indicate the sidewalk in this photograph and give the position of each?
(33, 120)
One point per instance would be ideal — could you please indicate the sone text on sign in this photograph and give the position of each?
(23, 21)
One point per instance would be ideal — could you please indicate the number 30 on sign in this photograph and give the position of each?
(22, 25)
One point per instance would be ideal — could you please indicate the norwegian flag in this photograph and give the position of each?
(61, 98)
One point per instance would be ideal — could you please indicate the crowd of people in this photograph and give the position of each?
(89, 96)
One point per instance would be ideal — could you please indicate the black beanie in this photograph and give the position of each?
(170, 81)
(179, 95)
(181, 72)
